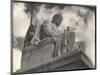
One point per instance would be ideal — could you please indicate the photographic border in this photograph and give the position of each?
(11, 31)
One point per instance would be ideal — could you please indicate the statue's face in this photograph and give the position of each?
(57, 21)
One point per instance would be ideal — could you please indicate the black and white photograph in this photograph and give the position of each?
(52, 37)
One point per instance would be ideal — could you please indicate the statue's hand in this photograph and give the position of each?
(35, 41)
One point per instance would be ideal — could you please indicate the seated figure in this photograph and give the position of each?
(50, 30)
(46, 32)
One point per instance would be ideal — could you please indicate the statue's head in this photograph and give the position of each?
(57, 19)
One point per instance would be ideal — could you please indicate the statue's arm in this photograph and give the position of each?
(37, 31)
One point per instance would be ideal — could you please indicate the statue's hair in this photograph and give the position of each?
(57, 16)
